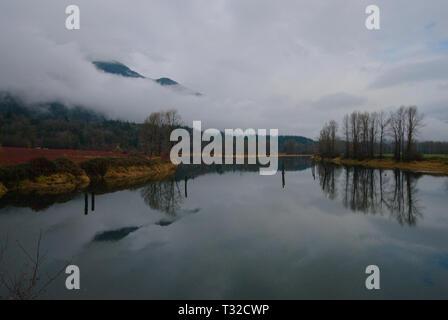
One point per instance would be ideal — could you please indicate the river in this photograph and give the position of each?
(226, 232)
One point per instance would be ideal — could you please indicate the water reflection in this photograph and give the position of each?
(249, 230)
(164, 196)
(195, 170)
(366, 190)
(183, 172)
(114, 235)
(86, 203)
(372, 191)
(283, 175)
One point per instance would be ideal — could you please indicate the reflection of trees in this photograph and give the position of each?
(326, 175)
(374, 191)
(401, 201)
(362, 190)
(164, 196)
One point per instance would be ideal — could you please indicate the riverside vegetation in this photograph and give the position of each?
(44, 177)
(380, 140)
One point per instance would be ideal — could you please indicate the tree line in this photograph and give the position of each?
(56, 126)
(155, 132)
(366, 134)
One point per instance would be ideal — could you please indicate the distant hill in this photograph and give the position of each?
(117, 68)
(11, 107)
(297, 139)
(54, 125)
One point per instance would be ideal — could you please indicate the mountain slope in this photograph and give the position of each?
(166, 82)
(117, 68)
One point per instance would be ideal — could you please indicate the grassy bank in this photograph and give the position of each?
(435, 166)
(44, 177)
(3, 190)
(127, 176)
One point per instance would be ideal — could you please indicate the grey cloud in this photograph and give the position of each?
(339, 100)
(260, 64)
(412, 73)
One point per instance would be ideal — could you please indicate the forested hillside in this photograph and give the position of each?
(56, 126)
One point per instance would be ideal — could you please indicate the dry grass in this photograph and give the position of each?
(430, 166)
(3, 189)
(129, 175)
(54, 184)
(61, 177)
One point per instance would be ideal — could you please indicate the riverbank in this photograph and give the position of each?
(436, 166)
(128, 176)
(44, 177)
(3, 190)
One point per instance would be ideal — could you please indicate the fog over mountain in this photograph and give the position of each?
(256, 63)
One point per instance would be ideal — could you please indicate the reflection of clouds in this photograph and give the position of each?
(251, 239)
(166, 221)
(442, 259)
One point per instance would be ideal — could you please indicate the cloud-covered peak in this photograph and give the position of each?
(115, 67)
(260, 64)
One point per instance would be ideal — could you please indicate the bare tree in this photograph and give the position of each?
(333, 130)
(355, 131)
(346, 132)
(170, 120)
(156, 129)
(365, 119)
(373, 133)
(362, 130)
(414, 122)
(383, 123)
(327, 139)
(149, 133)
(26, 283)
(397, 129)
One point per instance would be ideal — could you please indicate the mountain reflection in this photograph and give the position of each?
(284, 164)
(114, 235)
(372, 191)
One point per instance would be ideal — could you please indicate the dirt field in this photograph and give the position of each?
(11, 156)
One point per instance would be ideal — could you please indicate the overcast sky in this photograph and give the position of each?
(285, 64)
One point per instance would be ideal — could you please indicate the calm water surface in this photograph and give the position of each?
(229, 233)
